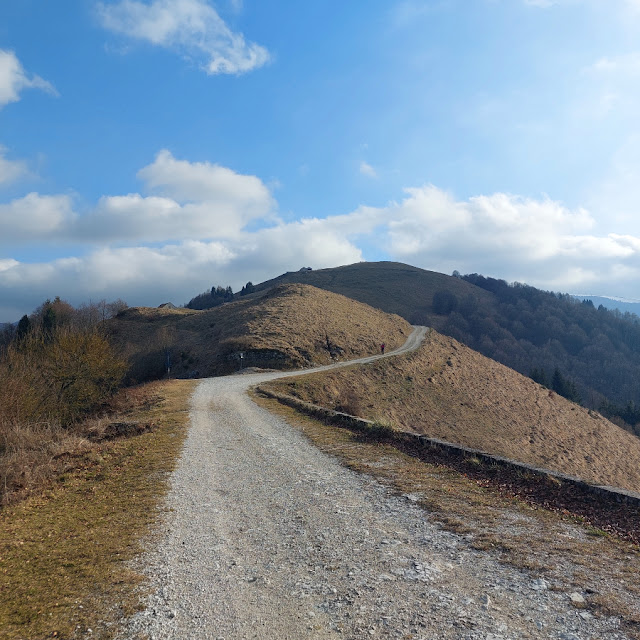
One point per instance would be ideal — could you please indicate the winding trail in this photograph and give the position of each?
(266, 537)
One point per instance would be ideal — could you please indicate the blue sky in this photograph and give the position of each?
(150, 149)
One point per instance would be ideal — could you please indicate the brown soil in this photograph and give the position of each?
(290, 326)
(445, 390)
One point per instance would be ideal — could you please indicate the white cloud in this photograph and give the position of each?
(34, 217)
(540, 242)
(10, 170)
(198, 201)
(367, 170)
(192, 27)
(201, 181)
(14, 79)
(150, 276)
(7, 263)
(199, 213)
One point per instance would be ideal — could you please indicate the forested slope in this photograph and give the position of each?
(529, 330)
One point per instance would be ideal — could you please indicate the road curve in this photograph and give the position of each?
(266, 537)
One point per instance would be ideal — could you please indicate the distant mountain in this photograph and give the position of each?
(623, 305)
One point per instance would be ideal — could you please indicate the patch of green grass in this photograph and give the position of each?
(64, 553)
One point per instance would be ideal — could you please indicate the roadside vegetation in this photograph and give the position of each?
(56, 370)
(66, 550)
(83, 469)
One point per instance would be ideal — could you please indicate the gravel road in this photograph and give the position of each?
(267, 537)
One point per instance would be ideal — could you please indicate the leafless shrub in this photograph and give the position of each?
(49, 380)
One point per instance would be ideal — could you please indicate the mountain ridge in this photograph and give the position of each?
(525, 328)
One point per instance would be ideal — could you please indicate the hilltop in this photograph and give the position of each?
(285, 327)
(445, 390)
(390, 286)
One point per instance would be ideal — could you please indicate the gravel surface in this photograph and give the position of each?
(266, 537)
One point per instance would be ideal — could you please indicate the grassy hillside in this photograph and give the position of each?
(596, 351)
(446, 390)
(390, 286)
(288, 326)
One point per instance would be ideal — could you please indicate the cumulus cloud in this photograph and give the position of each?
(8, 263)
(192, 27)
(14, 79)
(205, 182)
(540, 242)
(35, 217)
(10, 170)
(198, 201)
(176, 272)
(196, 215)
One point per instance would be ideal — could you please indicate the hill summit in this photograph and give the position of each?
(285, 327)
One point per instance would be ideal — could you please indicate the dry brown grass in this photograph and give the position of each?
(391, 286)
(33, 455)
(287, 327)
(445, 390)
(49, 382)
(64, 550)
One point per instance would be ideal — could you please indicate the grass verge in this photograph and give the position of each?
(551, 544)
(64, 552)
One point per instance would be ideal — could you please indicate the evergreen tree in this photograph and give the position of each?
(24, 326)
(540, 376)
(247, 289)
(444, 302)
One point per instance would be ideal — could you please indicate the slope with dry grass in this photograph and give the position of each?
(445, 390)
(391, 286)
(289, 326)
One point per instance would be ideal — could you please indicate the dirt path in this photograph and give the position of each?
(269, 538)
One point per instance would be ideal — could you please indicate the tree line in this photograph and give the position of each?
(216, 296)
(587, 354)
(57, 364)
